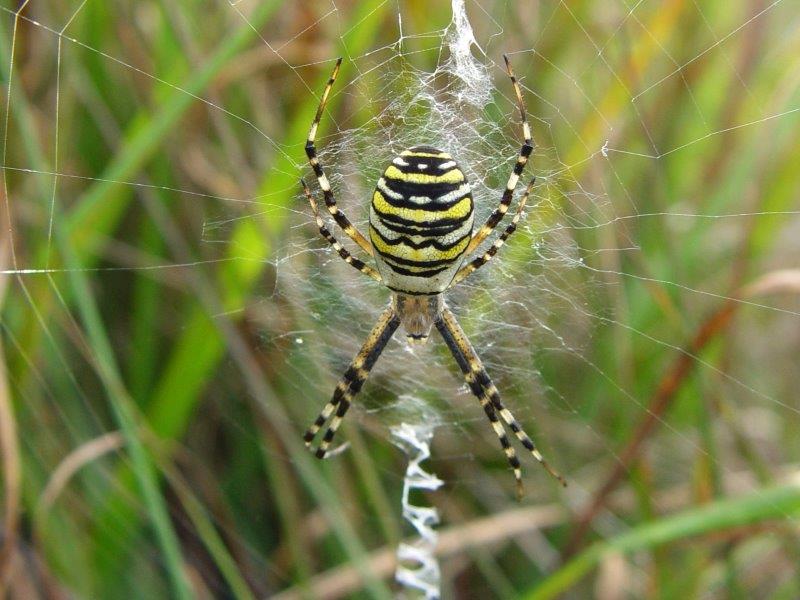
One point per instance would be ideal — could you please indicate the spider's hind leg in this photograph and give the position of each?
(478, 391)
(352, 380)
(482, 387)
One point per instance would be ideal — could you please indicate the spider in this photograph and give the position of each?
(420, 232)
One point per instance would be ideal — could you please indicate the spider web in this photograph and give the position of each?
(606, 181)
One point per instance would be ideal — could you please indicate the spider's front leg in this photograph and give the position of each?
(311, 151)
(352, 380)
(329, 237)
(477, 263)
(524, 154)
(482, 387)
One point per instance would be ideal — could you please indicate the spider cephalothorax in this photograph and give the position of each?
(420, 232)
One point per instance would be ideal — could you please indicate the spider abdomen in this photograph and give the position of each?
(421, 221)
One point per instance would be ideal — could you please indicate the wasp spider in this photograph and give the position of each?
(420, 232)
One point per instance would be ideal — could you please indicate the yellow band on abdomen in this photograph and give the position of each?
(451, 176)
(417, 215)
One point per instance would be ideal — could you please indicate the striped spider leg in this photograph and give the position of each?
(352, 380)
(524, 153)
(482, 387)
(311, 151)
(478, 262)
(329, 237)
(477, 389)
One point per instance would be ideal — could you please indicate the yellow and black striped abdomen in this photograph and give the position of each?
(420, 221)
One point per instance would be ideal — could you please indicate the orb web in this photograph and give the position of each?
(661, 196)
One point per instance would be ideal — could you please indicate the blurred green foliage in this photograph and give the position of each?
(151, 444)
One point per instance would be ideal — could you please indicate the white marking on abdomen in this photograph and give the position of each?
(384, 189)
(445, 198)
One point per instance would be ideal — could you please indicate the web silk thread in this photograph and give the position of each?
(418, 567)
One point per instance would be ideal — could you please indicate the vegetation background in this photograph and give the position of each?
(150, 407)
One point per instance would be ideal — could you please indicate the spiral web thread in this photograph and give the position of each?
(418, 568)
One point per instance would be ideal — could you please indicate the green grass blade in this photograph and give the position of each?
(103, 204)
(777, 503)
(125, 415)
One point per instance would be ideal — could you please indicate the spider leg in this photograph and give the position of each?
(522, 160)
(478, 262)
(482, 387)
(325, 233)
(311, 151)
(477, 389)
(352, 380)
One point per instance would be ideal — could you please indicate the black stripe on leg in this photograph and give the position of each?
(343, 252)
(333, 428)
(308, 436)
(480, 393)
(522, 160)
(383, 339)
(477, 263)
(527, 442)
(352, 380)
(455, 338)
(508, 193)
(324, 183)
(452, 345)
